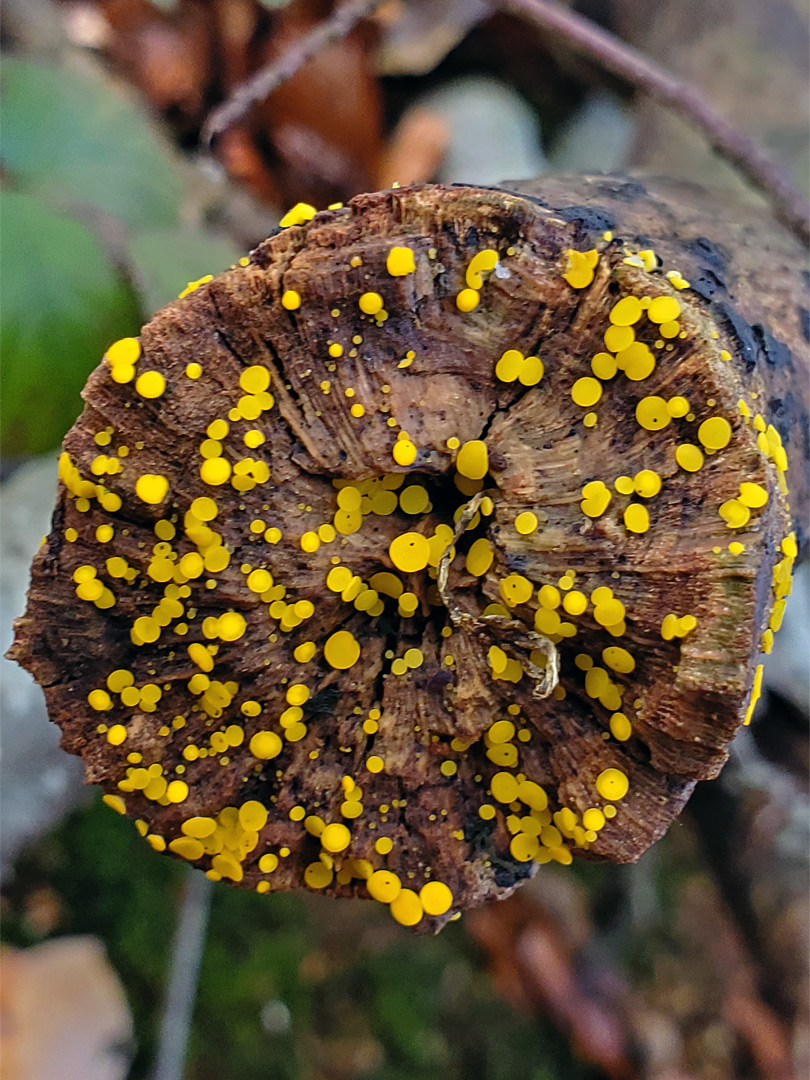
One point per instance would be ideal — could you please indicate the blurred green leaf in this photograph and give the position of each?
(163, 262)
(80, 141)
(63, 303)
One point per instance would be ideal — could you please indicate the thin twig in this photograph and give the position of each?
(268, 78)
(187, 952)
(588, 39)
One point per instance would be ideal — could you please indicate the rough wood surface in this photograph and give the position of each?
(424, 373)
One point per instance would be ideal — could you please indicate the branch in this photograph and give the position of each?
(188, 947)
(584, 37)
(268, 78)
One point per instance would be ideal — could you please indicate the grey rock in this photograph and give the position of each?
(493, 131)
(597, 138)
(39, 782)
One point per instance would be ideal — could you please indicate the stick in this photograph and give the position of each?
(584, 37)
(187, 952)
(268, 78)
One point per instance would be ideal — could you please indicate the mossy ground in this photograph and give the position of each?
(366, 998)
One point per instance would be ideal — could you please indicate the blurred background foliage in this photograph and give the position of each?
(93, 238)
(690, 965)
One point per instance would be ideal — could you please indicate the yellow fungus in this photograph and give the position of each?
(177, 791)
(608, 612)
(504, 787)
(612, 784)
(467, 300)
(231, 626)
(756, 690)
(400, 262)
(151, 488)
(735, 513)
(586, 391)
(265, 745)
(341, 650)
(595, 498)
(677, 406)
(200, 656)
(715, 433)
(414, 499)
(526, 523)
(689, 457)
(549, 597)
(603, 365)
(479, 557)
(575, 602)
(194, 285)
(652, 414)
(116, 734)
(472, 461)
(291, 300)
(663, 309)
(647, 483)
(335, 838)
(99, 700)
(636, 361)
(409, 552)
(531, 371)
(317, 875)
(404, 452)
(579, 272)
(199, 827)
(620, 729)
(753, 495)
(204, 508)
(370, 303)
(479, 264)
(507, 370)
(215, 471)
(122, 373)
(126, 351)
(436, 898)
(626, 312)
(119, 679)
(115, 802)
(187, 847)
(516, 589)
(618, 659)
(524, 847)
(298, 215)
(254, 379)
(677, 280)
(384, 886)
(151, 384)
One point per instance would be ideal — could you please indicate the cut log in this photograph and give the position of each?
(438, 539)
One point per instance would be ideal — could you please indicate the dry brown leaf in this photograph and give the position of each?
(415, 149)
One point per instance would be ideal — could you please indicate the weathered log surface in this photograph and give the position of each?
(319, 435)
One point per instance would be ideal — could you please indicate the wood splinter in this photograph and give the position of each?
(326, 527)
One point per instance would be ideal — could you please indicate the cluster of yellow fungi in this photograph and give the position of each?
(189, 554)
